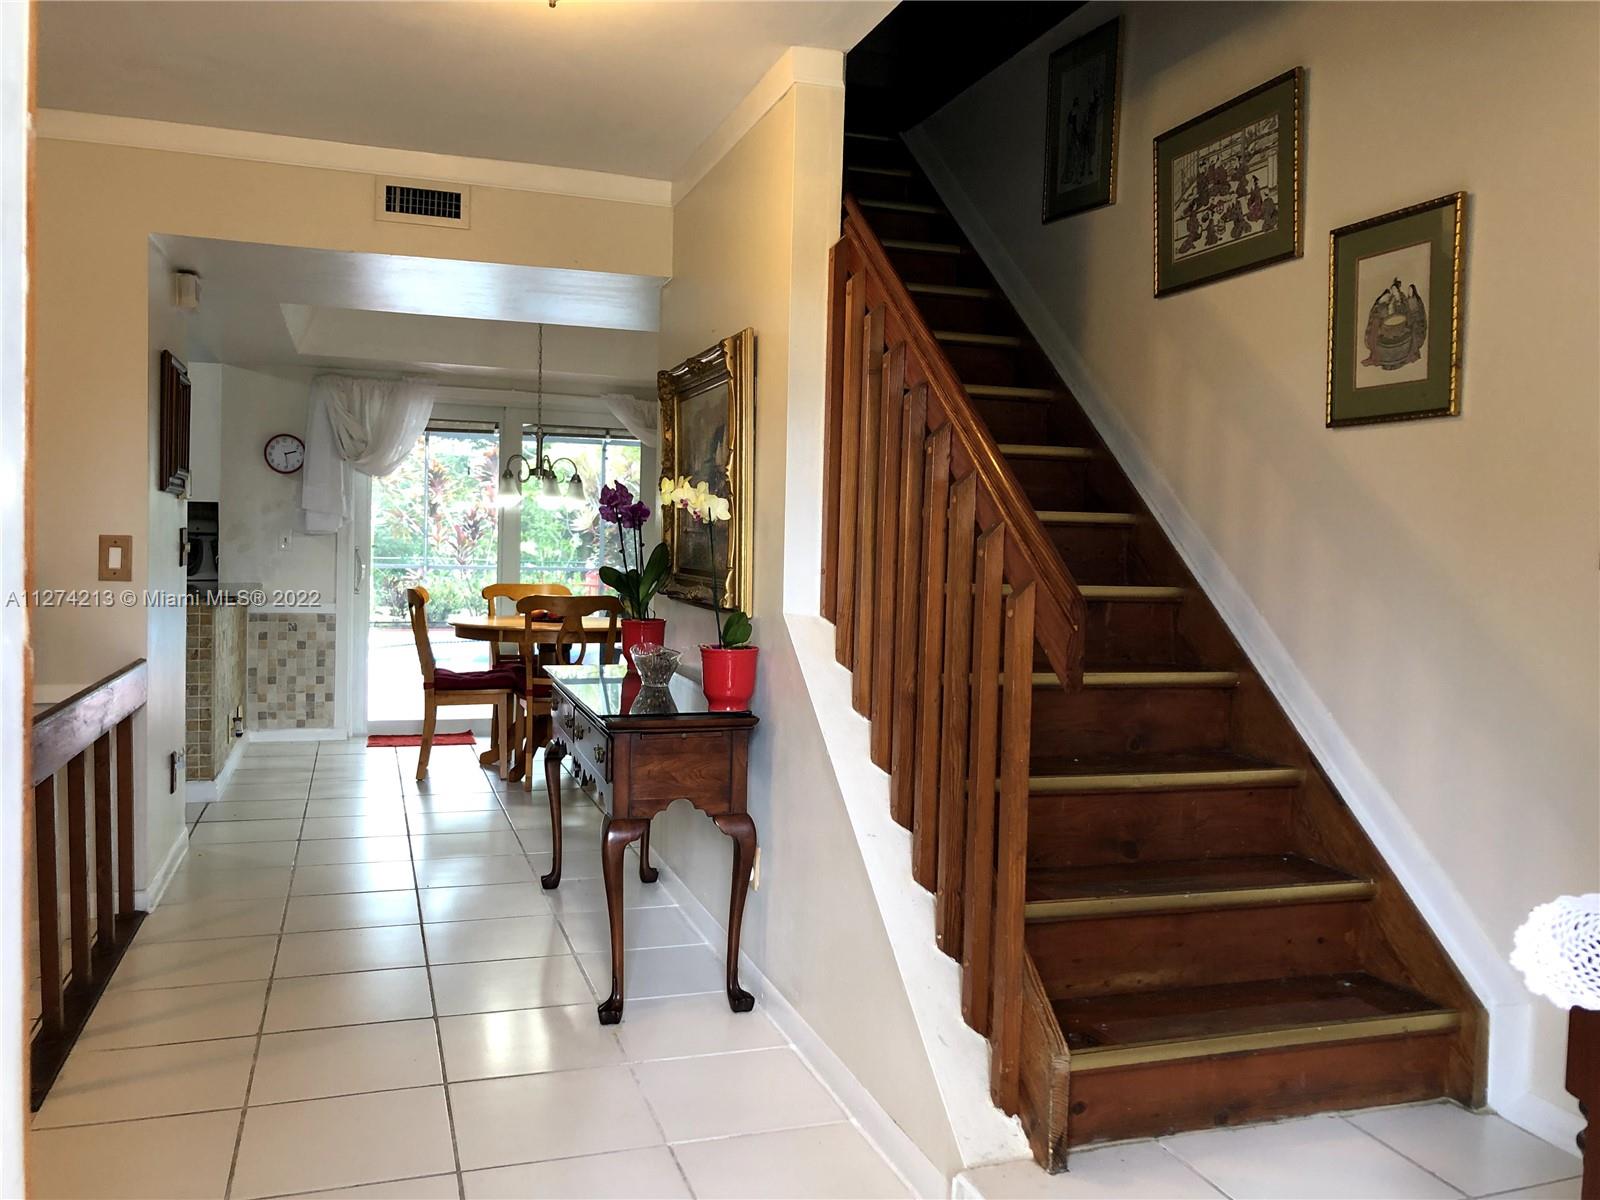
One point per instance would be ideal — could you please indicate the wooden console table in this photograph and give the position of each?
(644, 748)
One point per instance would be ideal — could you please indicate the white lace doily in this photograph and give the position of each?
(1557, 949)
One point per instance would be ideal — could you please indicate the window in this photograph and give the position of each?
(569, 545)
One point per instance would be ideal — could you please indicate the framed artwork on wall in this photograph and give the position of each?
(1227, 187)
(1394, 315)
(1081, 115)
(708, 426)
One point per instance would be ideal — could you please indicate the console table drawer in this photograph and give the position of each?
(665, 766)
(585, 740)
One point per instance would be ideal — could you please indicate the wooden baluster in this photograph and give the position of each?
(105, 911)
(1011, 879)
(978, 917)
(866, 514)
(930, 658)
(903, 761)
(49, 899)
(125, 815)
(844, 620)
(957, 694)
(78, 873)
(888, 537)
(838, 290)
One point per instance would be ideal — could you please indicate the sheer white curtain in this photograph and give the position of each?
(356, 424)
(641, 418)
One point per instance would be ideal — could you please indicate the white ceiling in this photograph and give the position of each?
(287, 306)
(606, 85)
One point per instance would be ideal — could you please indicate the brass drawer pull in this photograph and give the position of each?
(600, 753)
(579, 732)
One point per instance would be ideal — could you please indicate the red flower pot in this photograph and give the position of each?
(729, 677)
(636, 630)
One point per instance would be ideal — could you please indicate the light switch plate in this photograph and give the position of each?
(116, 557)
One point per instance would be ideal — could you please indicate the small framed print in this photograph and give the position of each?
(1227, 187)
(1080, 118)
(1394, 315)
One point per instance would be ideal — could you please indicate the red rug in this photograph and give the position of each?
(415, 739)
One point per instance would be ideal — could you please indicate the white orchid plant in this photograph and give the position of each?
(710, 510)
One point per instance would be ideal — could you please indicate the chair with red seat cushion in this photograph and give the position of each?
(498, 687)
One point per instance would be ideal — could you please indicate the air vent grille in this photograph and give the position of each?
(421, 202)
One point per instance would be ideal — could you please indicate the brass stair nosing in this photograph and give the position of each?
(1162, 781)
(869, 137)
(964, 337)
(906, 206)
(1131, 591)
(1144, 679)
(1056, 516)
(950, 248)
(1003, 391)
(1323, 892)
(892, 172)
(1102, 1058)
(1023, 450)
(951, 289)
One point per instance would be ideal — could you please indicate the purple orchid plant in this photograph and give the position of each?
(636, 586)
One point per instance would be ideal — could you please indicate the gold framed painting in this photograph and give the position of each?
(1394, 315)
(1228, 187)
(708, 431)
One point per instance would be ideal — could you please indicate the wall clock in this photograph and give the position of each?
(284, 453)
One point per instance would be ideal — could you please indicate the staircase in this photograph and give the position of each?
(1166, 917)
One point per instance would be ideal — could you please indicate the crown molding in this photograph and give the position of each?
(137, 132)
(799, 64)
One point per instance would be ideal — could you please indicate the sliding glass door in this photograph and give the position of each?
(434, 524)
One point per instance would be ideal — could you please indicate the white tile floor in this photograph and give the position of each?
(356, 986)
(1414, 1152)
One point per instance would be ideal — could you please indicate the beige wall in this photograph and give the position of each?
(1433, 582)
(750, 248)
(101, 314)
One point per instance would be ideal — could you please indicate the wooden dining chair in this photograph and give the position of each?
(570, 611)
(504, 654)
(500, 687)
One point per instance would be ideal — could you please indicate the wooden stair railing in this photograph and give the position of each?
(940, 580)
(69, 737)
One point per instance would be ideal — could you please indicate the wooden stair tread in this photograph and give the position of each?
(923, 247)
(872, 169)
(1141, 889)
(950, 289)
(1060, 775)
(962, 337)
(1127, 764)
(1144, 677)
(1006, 391)
(1058, 516)
(1143, 592)
(1214, 1018)
(904, 206)
(1065, 453)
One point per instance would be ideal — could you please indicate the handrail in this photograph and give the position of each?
(90, 736)
(66, 729)
(1063, 645)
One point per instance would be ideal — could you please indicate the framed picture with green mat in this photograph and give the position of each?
(1394, 315)
(1227, 187)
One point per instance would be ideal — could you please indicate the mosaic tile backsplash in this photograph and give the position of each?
(289, 675)
(215, 684)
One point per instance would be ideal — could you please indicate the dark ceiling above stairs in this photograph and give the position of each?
(927, 52)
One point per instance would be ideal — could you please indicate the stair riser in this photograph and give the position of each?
(863, 185)
(1142, 952)
(1204, 1093)
(1012, 366)
(1094, 552)
(1016, 420)
(915, 227)
(1129, 827)
(1053, 483)
(964, 312)
(930, 266)
(1131, 720)
(871, 152)
(1135, 631)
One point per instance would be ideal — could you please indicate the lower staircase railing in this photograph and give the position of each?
(941, 581)
(75, 739)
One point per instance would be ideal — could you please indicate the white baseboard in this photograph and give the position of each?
(203, 791)
(147, 897)
(1430, 887)
(327, 734)
(918, 1172)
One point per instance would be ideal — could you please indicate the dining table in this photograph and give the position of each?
(514, 629)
